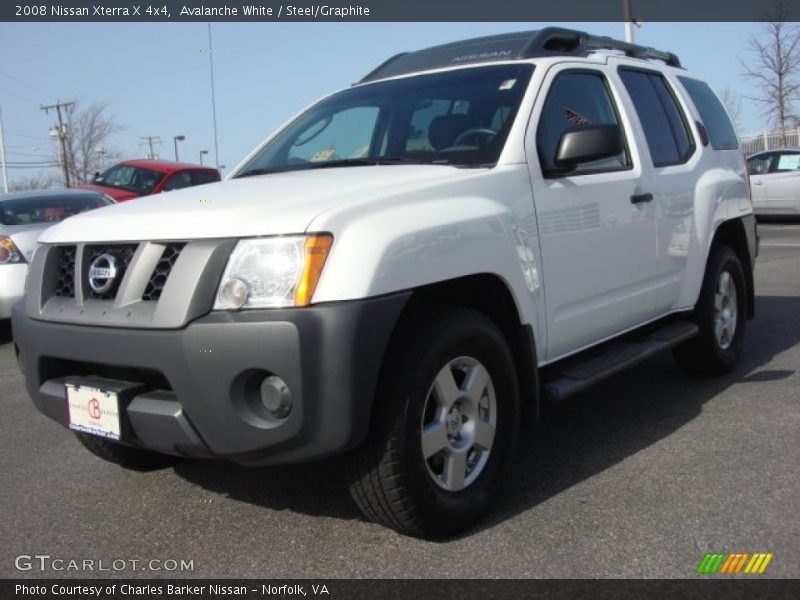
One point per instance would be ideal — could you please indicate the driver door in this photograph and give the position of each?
(597, 227)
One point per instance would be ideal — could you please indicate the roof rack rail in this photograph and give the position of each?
(550, 41)
(557, 40)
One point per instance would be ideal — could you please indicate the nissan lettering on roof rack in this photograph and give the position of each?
(470, 230)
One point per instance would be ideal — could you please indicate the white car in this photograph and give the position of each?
(775, 182)
(388, 275)
(23, 218)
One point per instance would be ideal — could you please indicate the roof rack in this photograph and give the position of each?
(550, 41)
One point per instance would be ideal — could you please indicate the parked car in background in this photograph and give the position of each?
(23, 218)
(775, 182)
(133, 178)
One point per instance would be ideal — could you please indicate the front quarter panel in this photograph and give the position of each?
(483, 224)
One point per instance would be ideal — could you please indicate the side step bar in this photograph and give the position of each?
(617, 358)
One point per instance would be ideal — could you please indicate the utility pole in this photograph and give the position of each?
(3, 154)
(62, 136)
(150, 140)
(629, 21)
(213, 99)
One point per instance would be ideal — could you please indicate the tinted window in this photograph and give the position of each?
(662, 122)
(47, 209)
(178, 181)
(720, 130)
(134, 179)
(459, 117)
(576, 99)
(201, 177)
(758, 165)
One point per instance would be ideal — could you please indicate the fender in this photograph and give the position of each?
(484, 224)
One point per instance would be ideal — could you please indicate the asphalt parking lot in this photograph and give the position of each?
(639, 477)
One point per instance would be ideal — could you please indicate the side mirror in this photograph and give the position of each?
(97, 176)
(585, 144)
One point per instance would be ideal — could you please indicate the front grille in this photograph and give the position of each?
(65, 281)
(122, 253)
(158, 278)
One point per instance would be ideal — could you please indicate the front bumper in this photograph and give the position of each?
(12, 287)
(196, 395)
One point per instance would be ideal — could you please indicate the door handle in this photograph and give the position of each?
(757, 182)
(639, 198)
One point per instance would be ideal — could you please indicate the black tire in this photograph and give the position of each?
(705, 354)
(391, 482)
(127, 457)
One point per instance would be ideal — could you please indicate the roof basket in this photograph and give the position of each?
(550, 41)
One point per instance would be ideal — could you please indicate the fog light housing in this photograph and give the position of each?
(275, 397)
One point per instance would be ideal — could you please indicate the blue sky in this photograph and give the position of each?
(155, 78)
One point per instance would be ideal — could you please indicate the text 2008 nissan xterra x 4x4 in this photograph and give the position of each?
(387, 274)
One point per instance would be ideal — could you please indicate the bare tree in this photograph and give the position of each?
(88, 132)
(40, 181)
(733, 104)
(774, 66)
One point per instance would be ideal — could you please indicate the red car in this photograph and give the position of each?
(133, 178)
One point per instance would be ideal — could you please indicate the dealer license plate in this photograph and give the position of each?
(94, 411)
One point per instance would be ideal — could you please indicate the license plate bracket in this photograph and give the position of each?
(97, 406)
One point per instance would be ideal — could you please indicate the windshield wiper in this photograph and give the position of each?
(265, 171)
(377, 160)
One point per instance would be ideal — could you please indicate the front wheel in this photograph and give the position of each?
(720, 314)
(445, 421)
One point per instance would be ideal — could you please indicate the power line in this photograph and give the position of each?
(20, 96)
(25, 134)
(62, 135)
(150, 140)
(27, 85)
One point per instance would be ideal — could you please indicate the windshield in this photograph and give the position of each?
(459, 118)
(134, 179)
(47, 209)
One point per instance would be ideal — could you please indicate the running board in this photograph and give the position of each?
(617, 358)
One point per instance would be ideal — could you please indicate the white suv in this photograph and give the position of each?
(388, 274)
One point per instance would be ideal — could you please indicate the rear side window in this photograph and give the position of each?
(575, 99)
(662, 121)
(202, 177)
(788, 161)
(759, 165)
(720, 130)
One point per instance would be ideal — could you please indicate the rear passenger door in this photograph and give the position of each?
(783, 183)
(759, 168)
(671, 153)
(597, 229)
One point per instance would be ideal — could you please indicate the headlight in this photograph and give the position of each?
(271, 272)
(9, 253)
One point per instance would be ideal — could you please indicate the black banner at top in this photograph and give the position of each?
(396, 10)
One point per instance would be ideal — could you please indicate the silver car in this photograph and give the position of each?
(23, 218)
(775, 182)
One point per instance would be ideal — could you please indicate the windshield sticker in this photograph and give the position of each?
(575, 117)
(507, 84)
(323, 155)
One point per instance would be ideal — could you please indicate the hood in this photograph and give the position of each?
(116, 193)
(280, 203)
(25, 237)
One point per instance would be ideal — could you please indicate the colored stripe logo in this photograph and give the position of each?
(734, 563)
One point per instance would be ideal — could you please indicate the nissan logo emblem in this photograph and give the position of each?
(102, 272)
